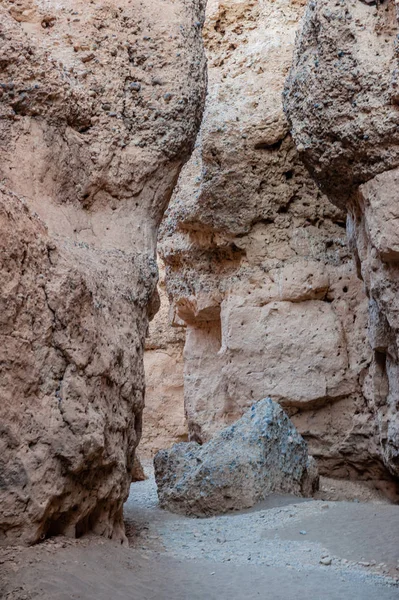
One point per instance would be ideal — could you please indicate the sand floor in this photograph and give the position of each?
(284, 549)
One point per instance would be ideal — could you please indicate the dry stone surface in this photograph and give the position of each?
(164, 421)
(99, 107)
(342, 101)
(258, 265)
(259, 454)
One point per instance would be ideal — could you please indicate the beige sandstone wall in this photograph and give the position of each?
(164, 421)
(342, 100)
(258, 266)
(100, 103)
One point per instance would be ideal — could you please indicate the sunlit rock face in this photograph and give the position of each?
(342, 102)
(100, 104)
(258, 266)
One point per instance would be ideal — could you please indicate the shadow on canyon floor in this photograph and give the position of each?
(287, 548)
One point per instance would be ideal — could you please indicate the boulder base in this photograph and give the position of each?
(259, 454)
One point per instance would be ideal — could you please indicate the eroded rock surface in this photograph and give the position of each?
(259, 454)
(164, 416)
(137, 471)
(342, 101)
(258, 266)
(99, 108)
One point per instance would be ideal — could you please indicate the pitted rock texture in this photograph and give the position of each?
(259, 454)
(342, 93)
(99, 108)
(258, 266)
(342, 101)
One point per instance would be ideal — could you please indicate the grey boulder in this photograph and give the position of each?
(259, 454)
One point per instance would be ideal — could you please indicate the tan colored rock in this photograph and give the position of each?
(257, 261)
(164, 418)
(164, 421)
(346, 62)
(138, 471)
(89, 153)
(342, 94)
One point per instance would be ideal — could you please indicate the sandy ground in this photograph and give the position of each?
(283, 549)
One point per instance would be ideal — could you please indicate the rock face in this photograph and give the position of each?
(258, 267)
(342, 100)
(259, 454)
(137, 471)
(99, 108)
(164, 421)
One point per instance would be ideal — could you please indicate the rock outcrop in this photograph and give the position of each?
(342, 100)
(258, 267)
(259, 454)
(137, 471)
(164, 421)
(99, 107)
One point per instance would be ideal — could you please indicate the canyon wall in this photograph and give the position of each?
(258, 267)
(342, 100)
(100, 104)
(163, 416)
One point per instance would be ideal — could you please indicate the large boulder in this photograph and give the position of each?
(259, 454)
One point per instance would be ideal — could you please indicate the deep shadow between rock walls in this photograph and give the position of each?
(100, 104)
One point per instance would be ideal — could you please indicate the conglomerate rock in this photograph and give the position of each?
(258, 267)
(99, 107)
(342, 100)
(259, 454)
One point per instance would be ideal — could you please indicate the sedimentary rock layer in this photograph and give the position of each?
(258, 266)
(342, 101)
(99, 108)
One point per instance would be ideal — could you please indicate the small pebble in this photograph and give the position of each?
(303, 532)
(326, 561)
(87, 58)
